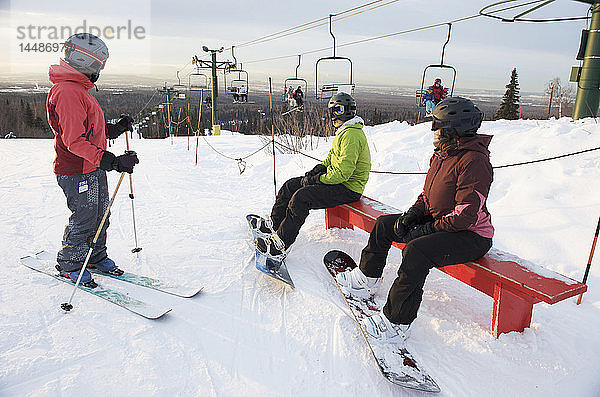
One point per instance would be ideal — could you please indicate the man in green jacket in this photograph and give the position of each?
(339, 179)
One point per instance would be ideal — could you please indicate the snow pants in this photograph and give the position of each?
(429, 105)
(418, 257)
(293, 203)
(87, 198)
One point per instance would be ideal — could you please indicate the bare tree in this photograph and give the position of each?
(562, 95)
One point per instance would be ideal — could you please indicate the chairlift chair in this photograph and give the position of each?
(419, 93)
(237, 86)
(296, 81)
(179, 88)
(198, 81)
(328, 90)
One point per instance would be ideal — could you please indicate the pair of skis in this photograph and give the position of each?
(395, 362)
(44, 262)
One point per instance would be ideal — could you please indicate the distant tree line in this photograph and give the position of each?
(25, 115)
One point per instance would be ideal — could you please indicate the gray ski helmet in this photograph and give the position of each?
(87, 54)
(342, 106)
(456, 116)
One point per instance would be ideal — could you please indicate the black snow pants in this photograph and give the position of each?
(294, 201)
(418, 257)
(87, 198)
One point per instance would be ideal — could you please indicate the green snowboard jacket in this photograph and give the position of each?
(349, 160)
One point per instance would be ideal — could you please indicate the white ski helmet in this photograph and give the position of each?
(87, 54)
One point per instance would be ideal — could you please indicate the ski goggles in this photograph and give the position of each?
(337, 110)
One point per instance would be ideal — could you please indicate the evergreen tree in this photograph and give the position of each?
(509, 108)
(28, 116)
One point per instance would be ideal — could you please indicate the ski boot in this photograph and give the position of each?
(86, 278)
(107, 266)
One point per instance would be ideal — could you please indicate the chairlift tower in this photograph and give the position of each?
(169, 92)
(214, 66)
(588, 78)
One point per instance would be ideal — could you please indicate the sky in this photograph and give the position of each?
(169, 34)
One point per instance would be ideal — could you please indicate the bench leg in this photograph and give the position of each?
(337, 217)
(512, 311)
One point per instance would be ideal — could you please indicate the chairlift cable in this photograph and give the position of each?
(517, 18)
(371, 38)
(306, 25)
(407, 31)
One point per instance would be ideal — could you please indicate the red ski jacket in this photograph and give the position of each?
(456, 188)
(76, 120)
(439, 92)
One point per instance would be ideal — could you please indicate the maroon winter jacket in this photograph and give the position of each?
(76, 120)
(457, 186)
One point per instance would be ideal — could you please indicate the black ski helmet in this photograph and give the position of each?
(342, 107)
(456, 116)
(87, 54)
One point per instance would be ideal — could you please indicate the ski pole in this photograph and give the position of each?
(589, 264)
(68, 306)
(272, 135)
(131, 196)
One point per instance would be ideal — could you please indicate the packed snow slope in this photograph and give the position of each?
(247, 334)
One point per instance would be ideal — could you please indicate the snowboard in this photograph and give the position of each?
(269, 266)
(144, 281)
(136, 306)
(395, 362)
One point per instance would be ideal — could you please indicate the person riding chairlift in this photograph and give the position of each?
(290, 97)
(299, 97)
(433, 95)
(243, 92)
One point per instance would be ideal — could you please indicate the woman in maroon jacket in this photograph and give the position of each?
(448, 224)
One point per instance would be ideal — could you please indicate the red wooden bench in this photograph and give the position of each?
(514, 284)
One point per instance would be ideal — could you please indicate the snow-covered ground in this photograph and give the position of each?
(247, 334)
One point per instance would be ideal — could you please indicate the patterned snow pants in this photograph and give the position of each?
(87, 198)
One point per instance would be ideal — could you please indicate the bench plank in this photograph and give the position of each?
(515, 284)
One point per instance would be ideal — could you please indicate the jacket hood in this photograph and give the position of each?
(479, 143)
(65, 72)
(354, 120)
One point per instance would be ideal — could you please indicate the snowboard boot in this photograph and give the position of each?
(262, 225)
(107, 266)
(379, 327)
(86, 278)
(356, 283)
(271, 246)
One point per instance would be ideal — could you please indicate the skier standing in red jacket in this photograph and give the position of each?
(81, 161)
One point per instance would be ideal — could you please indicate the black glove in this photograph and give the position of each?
(399, 228)
(122, 163)
(311, 180)
(411, 217)
(318, 169)
(125, 123)
(418, 231)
